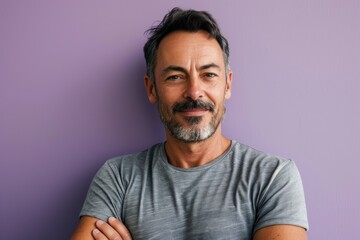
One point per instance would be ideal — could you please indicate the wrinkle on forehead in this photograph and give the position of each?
(189, 50)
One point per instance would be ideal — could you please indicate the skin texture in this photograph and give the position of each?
(189, 66)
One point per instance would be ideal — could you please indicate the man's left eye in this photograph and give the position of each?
(210, 75)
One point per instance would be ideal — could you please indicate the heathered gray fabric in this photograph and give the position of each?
(230, 198)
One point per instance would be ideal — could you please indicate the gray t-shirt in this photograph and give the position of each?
(238, 193)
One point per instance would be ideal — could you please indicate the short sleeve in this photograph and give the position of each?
(105, 195)
(283, 201)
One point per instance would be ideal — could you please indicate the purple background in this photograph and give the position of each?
(72, 96)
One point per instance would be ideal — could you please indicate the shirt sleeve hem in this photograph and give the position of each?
(295, 222)
(94, 214)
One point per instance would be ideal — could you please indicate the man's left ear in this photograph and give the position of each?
(228, 85)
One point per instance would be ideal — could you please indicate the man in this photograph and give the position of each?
(198, 184)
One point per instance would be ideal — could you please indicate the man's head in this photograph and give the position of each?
(188, 74)
(182, 20)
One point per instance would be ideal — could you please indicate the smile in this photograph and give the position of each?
(193, 112)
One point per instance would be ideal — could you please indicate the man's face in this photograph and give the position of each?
(191, 85)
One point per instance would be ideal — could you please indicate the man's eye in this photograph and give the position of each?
(210, 75)
(173, 77)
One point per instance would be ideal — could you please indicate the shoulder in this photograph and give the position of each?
(259, 168)
(255, 159)
(131, 163)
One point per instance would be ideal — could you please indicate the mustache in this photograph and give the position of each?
(191, 104)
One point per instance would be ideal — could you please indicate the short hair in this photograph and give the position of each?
(182, 20)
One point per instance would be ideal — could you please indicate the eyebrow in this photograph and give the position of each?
(210, 65)
(181, 69)
(172, 68)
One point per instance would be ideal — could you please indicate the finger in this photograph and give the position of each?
(98, 235)
(120, 228)
(106, 230)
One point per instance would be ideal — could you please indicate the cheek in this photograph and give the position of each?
(164, 107)
(168, 99)
(218, 97)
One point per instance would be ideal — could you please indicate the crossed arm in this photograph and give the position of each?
(91, 228)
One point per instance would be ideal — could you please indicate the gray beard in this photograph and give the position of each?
(192, 133)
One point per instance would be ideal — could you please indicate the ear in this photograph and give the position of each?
(228, 85)
(150, 89)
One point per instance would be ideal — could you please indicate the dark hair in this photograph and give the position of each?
(182, 20)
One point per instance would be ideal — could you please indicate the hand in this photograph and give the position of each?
(112, 230)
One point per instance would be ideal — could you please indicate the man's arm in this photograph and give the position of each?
(91, 228)
(281, 232)
(84, 229)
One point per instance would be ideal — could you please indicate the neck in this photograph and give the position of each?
(193, 154)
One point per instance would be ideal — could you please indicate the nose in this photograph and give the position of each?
(194, 89)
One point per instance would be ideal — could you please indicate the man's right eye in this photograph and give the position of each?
(173, 77)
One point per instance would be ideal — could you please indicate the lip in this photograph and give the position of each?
(195, 112)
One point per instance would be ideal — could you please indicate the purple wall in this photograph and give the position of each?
(71, 96)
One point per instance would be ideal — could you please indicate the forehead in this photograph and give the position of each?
(188, 48)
